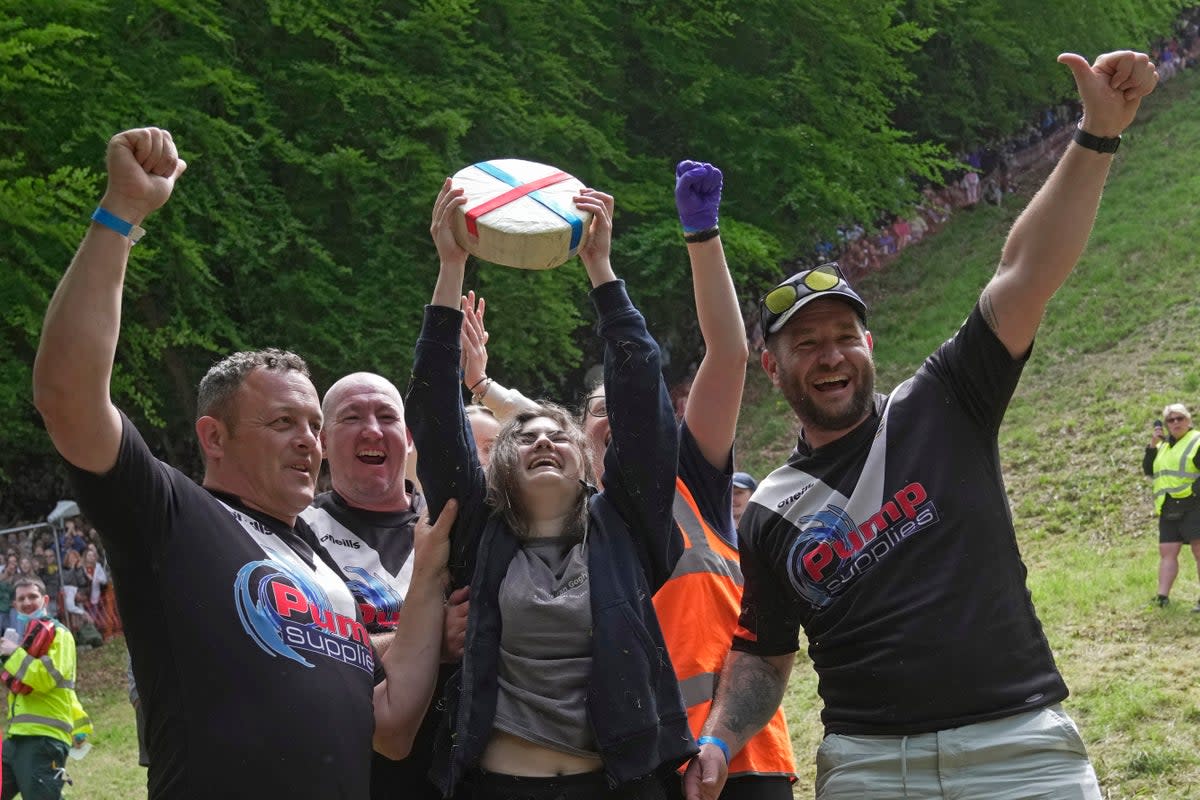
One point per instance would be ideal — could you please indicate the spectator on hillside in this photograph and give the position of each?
(97, 576)
(1167, 59)
(991, 191)
(96, 599)
(743, 486)
(93, 541)
(970, 188)
(256, 677)
(888, 535)
(902, 231)
(887, 241)
(76, 590)
(679, 394)
(918, 226)
(1172, 459)
(934, 207)
(39, 670)
(74, 538)
(824, 250)
(856, 257)
(76, 616)
(48, 572)
(7, 579)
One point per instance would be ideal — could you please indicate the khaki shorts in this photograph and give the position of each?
(1037, 754)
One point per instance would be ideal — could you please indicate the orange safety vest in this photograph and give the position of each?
(698, 609)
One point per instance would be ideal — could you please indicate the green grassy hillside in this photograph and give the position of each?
(1118, 342)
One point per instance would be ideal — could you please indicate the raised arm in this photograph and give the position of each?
(452, 258)
(716, 397)
(1048, 238)
(73, 368)
(596, 251)
(1148, 458)
(447, 465)
(503, 402)
(641, 459)
(411, 662)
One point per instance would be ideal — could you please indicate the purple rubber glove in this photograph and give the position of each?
(697, 195)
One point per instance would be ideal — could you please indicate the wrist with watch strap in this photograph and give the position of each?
(1100, 144)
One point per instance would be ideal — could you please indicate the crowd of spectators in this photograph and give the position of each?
(1181, 50)
(81, 594)
(988, 174)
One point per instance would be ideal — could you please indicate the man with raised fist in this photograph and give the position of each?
(257, 677)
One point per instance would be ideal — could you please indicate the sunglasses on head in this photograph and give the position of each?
(778, 301)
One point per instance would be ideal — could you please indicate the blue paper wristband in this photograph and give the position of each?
(115, 223)
(714, 740)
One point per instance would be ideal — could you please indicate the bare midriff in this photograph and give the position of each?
(512, 755)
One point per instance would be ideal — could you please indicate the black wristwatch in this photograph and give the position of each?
(1100, 144)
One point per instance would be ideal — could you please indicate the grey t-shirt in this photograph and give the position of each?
(546, 646)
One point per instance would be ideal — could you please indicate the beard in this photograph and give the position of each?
(814, 415)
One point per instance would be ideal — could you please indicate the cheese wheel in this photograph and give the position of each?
(519, 213)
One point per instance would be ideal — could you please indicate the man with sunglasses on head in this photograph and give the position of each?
(888, 538)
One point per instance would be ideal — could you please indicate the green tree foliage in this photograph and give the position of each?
(317, 135)
(989, 65)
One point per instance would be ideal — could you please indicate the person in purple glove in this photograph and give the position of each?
(698, 199)
(706, 584)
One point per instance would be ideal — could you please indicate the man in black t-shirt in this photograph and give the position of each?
(256, 674)
(887, 536)
(366, 524)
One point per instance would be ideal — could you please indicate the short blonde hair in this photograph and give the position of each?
(1177, 408)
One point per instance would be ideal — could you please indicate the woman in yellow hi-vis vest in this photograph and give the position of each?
(1173, 460)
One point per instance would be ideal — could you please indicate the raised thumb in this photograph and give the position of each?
(1079, 66)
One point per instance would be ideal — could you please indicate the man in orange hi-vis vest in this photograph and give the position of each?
(698, 607)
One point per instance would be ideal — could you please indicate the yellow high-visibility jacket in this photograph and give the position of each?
(1175, 469)
(52, 708)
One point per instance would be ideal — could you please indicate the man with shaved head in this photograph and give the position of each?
(366, 521)
(366, 524)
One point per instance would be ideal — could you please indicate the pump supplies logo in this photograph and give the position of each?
(286, 613)
(379, 603)
(832, 550)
